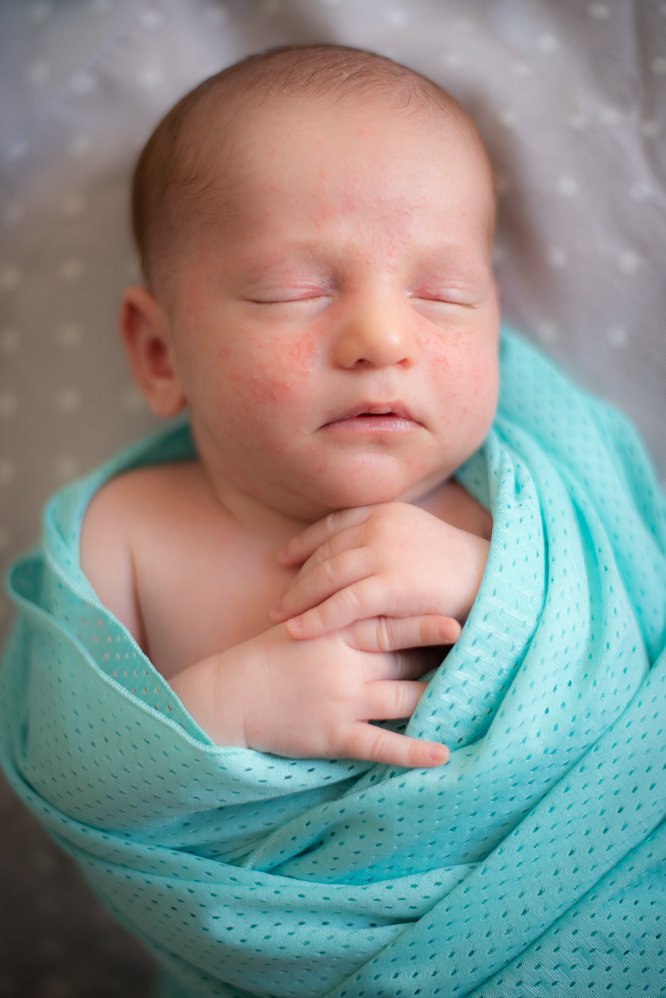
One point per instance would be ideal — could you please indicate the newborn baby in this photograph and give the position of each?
(315, 225)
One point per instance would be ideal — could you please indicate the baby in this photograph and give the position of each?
(315, 225)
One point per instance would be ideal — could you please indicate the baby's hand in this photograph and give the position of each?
(391, 560)
(313, 699)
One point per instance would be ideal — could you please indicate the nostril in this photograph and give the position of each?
(375, 341)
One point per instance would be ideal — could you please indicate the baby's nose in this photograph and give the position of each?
(376, 337)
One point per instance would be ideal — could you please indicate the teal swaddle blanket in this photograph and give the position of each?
(533, 863)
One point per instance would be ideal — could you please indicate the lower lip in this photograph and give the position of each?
(374, 424)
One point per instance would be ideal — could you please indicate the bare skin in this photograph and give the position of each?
(334, 333)
(183, 557)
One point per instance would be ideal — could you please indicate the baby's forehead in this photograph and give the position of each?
(206, 148)
(269, 189)
(227, 149)
(218, 120)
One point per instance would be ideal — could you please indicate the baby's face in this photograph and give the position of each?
(334, 323)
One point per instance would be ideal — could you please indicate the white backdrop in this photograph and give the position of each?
(570, 96)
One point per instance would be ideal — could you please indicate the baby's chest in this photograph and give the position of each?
(201, 595)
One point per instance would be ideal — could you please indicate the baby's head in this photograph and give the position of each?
(315, 226)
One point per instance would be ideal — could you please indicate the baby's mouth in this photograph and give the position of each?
(375, 416)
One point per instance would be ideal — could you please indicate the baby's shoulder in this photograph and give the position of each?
(131, 514)
(149, 491)
(139, 504)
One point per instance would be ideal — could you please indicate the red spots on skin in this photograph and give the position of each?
(440, 345)
(264, 391)
(301, 352)
(360, 221)
(268, 377)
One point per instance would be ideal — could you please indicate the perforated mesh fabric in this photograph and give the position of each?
(531, 864)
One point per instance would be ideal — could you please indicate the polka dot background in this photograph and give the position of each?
(571, 99)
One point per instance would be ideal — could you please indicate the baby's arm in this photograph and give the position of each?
(393, 559)
(106, 559)
(271, 693)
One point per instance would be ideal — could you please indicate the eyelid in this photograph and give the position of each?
(445, 296)
(286, 295)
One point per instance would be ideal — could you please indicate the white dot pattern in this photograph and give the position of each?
(531, 864)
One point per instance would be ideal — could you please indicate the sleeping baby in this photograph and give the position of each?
(372, 472)
(315, 226)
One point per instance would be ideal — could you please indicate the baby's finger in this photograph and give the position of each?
(385, 700)
(302, 545)
(369, 597)
(394, 633)
(366, 741)
(335, 573)
(350, 537)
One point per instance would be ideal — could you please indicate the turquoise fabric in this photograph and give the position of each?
(534, 863)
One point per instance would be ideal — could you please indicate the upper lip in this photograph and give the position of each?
(398, 409)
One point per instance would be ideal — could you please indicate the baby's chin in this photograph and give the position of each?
(370, 489)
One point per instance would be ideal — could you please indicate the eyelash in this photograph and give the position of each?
(286, 301)
(310, 300)
(443, 301)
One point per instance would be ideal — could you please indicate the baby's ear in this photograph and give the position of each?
(145, 330)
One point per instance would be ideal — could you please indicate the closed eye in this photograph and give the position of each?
(448, 301)
(296, 300)
(444, 298)
(299, 308)
(286, 294)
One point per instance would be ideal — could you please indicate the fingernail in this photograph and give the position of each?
(296, 624)
(276, 609)
(451, 631)
(282, 553)
(439, 754)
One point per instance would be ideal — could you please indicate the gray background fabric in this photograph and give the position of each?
(571, 99)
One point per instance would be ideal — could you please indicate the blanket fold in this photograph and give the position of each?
(533, 863)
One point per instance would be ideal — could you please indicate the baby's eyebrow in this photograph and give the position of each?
(290, 259)
(448, 254)
(450, 261)
(302, 263)
(272, 276)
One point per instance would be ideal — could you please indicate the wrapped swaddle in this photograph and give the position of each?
(534, 862)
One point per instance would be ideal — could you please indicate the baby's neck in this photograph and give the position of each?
(257, 516)
(251, 513)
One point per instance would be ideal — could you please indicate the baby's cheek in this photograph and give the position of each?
(266, 375)
(297, 355)
(451, 354)
(464, 368)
